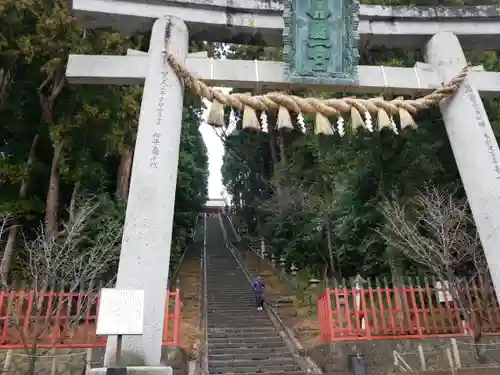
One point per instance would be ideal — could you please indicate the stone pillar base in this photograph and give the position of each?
(137, 370)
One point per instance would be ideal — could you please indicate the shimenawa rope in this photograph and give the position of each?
(322, 108)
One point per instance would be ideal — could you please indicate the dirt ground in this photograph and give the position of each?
(295, 305)
(190, 279)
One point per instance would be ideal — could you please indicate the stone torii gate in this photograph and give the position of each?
(145, 252)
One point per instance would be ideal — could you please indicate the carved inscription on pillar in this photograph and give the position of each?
(155, 154)
(320, 41)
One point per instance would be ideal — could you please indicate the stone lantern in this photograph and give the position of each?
(313, 282)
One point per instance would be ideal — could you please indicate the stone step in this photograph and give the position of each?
(243, 297)
(218, 296)
(214, 284)
(242, 329)
(239, 304)
(230, 309)
(221, 297)
(246, 292)
(219, 271)
(244, 321)
(266, 373)
(275, 339)
(261, 364)
(247, 314)
(222, 324)
(228, 312)
(252, 368)
(230, 269)
(241, 318)
(242, 335)
(216, 291)
(234, 310)
(251, 356)
(276, 350)
(239, 323)
(232, 301)
(226, 307)
(236, 326)
(229, 347)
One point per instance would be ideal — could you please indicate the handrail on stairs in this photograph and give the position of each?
(173, 275)
(284, 275)
(201, 365)
(236, 234)
(204, 352)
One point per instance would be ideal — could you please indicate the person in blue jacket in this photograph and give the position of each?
(258, 289)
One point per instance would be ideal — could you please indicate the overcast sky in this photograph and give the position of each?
(215, 154)
(215, 150)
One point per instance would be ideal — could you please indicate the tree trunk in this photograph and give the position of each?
(52, 204)
(272, 148)
(6, 78)
(274, 159)
(14, 229)
(330, 246)
(73, 202)
(282, 147)
(124, 172)
(32, 358)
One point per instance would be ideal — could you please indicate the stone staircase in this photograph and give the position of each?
(241, 340)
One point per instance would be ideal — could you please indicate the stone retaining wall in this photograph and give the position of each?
(468, 371)
(78, 361)
(380, 360)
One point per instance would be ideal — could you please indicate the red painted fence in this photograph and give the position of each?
(65, 320)
(406, 312)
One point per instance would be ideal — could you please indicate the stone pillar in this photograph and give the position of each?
(145, 251)
(474, 146)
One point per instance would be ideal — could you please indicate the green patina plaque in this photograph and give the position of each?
(321, 41)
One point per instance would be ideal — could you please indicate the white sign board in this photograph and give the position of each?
(121, 312)
(443, 293)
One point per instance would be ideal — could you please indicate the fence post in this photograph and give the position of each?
(423, 364)
(88, 360)
(416, 313)
(8, 361)
(450, 359)
(166, 319)
(177, 317)
(329, 313)
(53, 367)
(456, 353)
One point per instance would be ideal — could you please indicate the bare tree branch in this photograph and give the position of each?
(75, 261)
(434, 230)
(437, 231)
